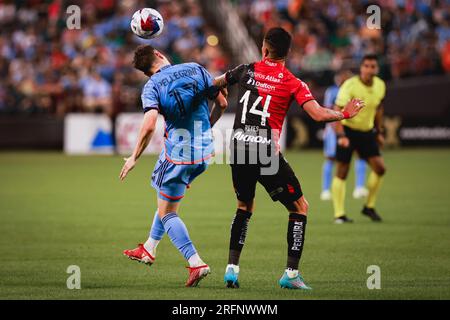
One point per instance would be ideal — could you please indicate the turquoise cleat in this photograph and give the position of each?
(231, 277)
(293, 283)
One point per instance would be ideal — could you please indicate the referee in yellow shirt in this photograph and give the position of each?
(363, 134)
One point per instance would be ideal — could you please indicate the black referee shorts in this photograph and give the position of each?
(363, 142)
(282, 186)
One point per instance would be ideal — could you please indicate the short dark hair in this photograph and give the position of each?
(144, 56)
(279, 41)
(369, 56)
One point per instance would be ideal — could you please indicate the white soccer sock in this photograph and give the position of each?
(150, 245)
(195, 261)
(235, 268)
(291, 273)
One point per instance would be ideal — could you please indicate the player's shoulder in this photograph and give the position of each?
(295, 82)
(352, 81)
(379, 82)
(195, 67)
(192, 65)
(244, 66)
(149, 85)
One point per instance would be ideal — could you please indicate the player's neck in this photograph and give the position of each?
(158, 66)
(366, 81)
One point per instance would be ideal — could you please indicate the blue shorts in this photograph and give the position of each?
(171, 180)
(329, 142)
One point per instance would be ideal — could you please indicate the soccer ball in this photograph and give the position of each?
(147, 23)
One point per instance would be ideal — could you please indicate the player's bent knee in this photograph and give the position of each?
(299, 206)
(304, 206)
(342, 170)
(246, 205)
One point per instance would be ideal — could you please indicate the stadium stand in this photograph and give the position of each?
(47, 68)
(413, 39)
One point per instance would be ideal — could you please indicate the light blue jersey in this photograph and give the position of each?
(180, 93)
(329, 137)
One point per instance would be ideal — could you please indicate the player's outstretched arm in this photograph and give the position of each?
(319, 113)
(220, 81)
(218, 108)
(145, 135)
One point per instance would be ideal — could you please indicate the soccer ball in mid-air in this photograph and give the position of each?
(147, 23)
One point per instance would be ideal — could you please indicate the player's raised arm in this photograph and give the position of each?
(230, 77)
(319, 113)
(220, 81)
(145, 135)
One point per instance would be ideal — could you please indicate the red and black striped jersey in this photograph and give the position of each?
(266, 91)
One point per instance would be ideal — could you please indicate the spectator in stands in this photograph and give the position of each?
(97, 94)
(337, 28)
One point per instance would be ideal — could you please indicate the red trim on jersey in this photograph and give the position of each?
(171, 197)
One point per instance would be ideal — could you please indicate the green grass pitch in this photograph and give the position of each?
(57, 211)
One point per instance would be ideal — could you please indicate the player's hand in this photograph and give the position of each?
(353, 107)
(380, 140)
(343, 142)
(127, 167)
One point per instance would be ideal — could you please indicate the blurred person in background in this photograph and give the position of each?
(329, 146)
(97, 93)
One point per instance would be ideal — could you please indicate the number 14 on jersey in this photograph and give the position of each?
(264, 114)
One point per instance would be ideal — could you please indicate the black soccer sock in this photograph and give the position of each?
(295, 239)
(238, 233)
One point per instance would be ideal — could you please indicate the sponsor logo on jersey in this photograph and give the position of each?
(241, 136)
(269, 77)
(261, 85)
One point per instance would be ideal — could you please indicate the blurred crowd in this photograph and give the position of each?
(414, 38)
(47, 68)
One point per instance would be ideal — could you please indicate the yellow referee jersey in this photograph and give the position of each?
(372, 96)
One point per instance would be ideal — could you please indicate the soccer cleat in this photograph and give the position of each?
(196, 274)
(296, 282)
(231, 276)
(325, 195)
(342, 219)
(360, 193)
(371, 213)
(140, 254)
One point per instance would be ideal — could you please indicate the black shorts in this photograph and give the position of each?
(282, 186)
(365, 143)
